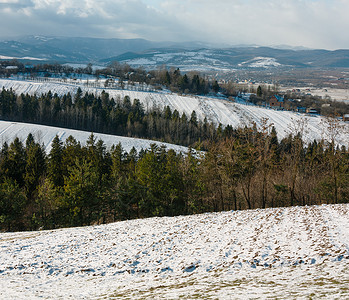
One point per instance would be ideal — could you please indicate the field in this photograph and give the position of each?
(298, 252)
(45, 135)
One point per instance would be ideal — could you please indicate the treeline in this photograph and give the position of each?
(105, 115)
(13, 67)
(78, 185)
(172, 79)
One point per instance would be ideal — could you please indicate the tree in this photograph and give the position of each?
(16, 162)
(12, 203)
(215, 86)
(149, 174)
(48, 202)
(35, 167)
(81, 193)
(55, 170)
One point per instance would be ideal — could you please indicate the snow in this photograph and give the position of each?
(25, 57)
(261, 62)
(217, 110)
(46, 134)
(203, 60)
(140, 61)
(297, 252)
(341, 95)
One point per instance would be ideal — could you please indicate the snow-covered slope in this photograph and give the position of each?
(215, 109)
(46, 134)
(298, 252)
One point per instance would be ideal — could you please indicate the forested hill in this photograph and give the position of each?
(105, 115)
(242, 168)
(77, 185)
(215, 110)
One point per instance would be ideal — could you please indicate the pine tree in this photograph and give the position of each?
(12, 203)
(48, 201)
(16, 161)
(55, 164)
(81, 194)
(35, 167)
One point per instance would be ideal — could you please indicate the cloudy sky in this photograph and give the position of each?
(309, 23)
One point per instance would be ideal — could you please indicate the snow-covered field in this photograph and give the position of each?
(298, 253)
(45, 135)
(215, 109)
(260, 62)
(335, 94)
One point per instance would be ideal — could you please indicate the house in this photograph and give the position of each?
(301, 109)
(276, 102)
(346, 118)
(312, 111)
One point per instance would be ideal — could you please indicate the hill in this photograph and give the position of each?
(297, 252)
(45, 134)
(215, 109)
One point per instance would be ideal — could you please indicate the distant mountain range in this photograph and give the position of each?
(187, 56)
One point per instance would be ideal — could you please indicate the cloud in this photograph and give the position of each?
(320, 23)
(312, 23)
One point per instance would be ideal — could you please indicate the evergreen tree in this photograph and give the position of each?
(35, 167)
(81, 194)
(48, 202)
(16, 162)
(12, 203)
(55, 169)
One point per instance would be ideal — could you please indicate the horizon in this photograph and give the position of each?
(205, 44)
(313, 24)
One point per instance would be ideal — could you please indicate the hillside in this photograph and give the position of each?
(216, 110)
(45, 134)
(297, 252)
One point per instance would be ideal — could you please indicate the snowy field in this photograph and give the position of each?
(298, 253)
(215, 109)
(340, 95)
(45, 135)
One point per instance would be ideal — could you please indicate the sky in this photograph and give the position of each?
(309, 23)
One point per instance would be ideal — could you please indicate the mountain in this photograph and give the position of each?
(79, 49)
(185, 55)
(236, 58)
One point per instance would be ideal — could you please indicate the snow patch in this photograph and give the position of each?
(260, 62)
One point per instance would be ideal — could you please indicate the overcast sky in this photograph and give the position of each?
(309, 23)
